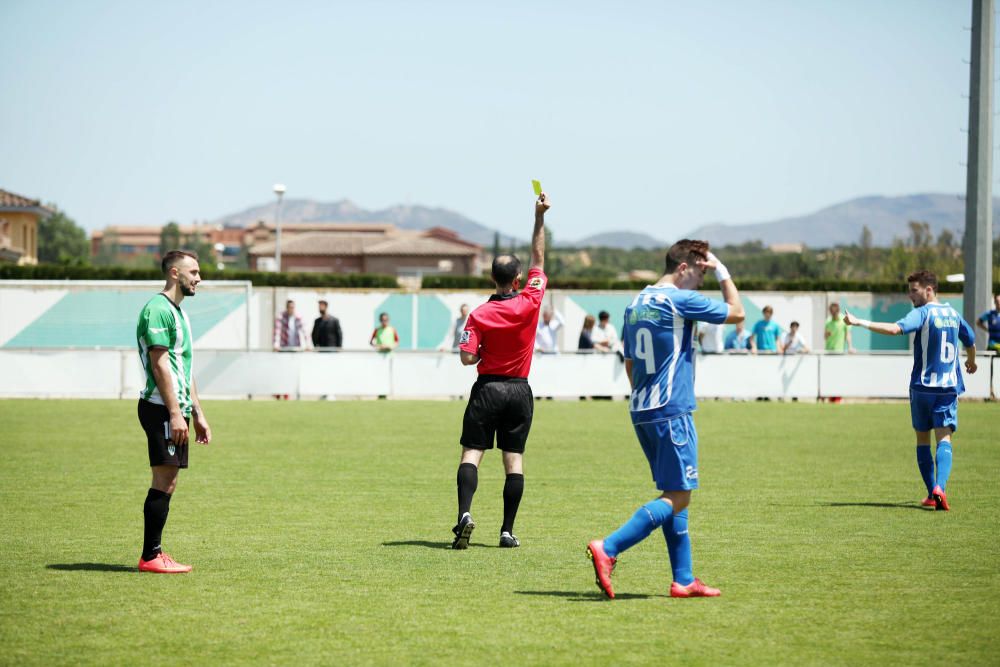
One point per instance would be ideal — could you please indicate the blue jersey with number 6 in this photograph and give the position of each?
(938, 329)
(659, 326)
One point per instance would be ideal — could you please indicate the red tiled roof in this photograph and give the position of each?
(399, 244)
(11, 200)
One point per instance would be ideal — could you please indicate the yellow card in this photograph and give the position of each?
(537, 185)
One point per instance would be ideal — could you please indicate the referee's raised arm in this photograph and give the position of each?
(538, 236)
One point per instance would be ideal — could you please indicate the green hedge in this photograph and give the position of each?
(67, 272)
(71, 272)
(747, 284)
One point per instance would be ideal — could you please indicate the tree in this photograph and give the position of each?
(170, 237)
(61, 240)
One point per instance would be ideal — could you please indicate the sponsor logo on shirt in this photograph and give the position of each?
(466, 335)
(157, 330)
(691, 472)
(535, 282)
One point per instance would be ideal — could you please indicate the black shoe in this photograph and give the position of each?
(463, 531)
(508, 541)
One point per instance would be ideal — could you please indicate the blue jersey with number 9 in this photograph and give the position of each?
(659, 326)
(939, 329)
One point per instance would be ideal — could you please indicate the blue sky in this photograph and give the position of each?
(647, 116)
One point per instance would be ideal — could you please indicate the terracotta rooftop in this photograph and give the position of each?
(9, 200)
(399, 243)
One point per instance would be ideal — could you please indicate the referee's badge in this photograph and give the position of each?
(535, 282)
(466, 335)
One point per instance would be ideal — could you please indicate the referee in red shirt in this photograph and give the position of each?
(499, 336)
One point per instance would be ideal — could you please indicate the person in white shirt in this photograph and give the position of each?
(604, 336)
(710, 338)
(545, 335)
(793, 343)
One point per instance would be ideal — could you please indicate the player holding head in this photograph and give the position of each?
(659, 357)
(167, 400)
(499, 336)
(936, 380)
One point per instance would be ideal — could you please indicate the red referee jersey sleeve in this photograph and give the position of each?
(471, 335)
(534, 289)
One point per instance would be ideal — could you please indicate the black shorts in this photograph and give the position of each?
(502, 406)
(155, 420)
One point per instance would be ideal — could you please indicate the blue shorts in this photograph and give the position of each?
(930, 411)
(671, 447)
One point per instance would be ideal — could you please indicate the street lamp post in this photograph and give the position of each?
(279, 190)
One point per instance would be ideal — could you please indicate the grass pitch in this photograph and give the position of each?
(319, 535)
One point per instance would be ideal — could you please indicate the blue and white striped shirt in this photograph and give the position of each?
(657, 337)
(938, 329)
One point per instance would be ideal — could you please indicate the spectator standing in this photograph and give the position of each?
(836, 334)
(990, 323)
(384, 337)
(326, 331)
(545, 335)
(459, 326)
(289, 333)
(766, 334)
(605, 333)
(710, 338)
(793, 343)
(738, 339)
(587, 343)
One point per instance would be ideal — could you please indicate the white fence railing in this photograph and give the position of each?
(231, 373)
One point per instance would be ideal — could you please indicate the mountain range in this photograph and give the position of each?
(840, 224)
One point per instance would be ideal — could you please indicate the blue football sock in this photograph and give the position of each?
(926, 464)
(646, 519)
(943, 463)
(679, 547)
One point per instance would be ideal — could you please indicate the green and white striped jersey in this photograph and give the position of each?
(162, 323)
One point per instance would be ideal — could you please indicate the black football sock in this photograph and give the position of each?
(154, 511)
(468, 480)
(513, 488)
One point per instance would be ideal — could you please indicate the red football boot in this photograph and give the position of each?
(163, 564)
(604, 565)
(929, 502)
(940, 498)
(696, 589)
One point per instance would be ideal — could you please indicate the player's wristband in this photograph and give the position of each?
(721, 272)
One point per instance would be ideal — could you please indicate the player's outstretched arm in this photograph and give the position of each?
(538, 235)
(884, 328)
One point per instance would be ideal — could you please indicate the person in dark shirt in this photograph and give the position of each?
(326, 331)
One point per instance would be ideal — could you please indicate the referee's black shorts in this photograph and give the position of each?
(501, 406)
(155, 421)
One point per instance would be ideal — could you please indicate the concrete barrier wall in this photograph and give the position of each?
(235, 316)
(230, 373)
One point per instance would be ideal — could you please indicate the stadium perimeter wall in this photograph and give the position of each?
(236, 316)
(234, 374)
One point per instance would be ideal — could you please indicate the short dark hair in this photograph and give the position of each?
(505, 270)
(768, 309)
(604, 315)
(292, 301)
(324, 302)
(793, 324)
(174, 257)
(685, 251)
(383, 314)
(924, 278)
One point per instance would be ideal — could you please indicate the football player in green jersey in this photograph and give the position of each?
(168, 399)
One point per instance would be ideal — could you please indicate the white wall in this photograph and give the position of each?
(231, 373)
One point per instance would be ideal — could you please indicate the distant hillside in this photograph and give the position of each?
(406, 217)
(841, 224)
(622, 240)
